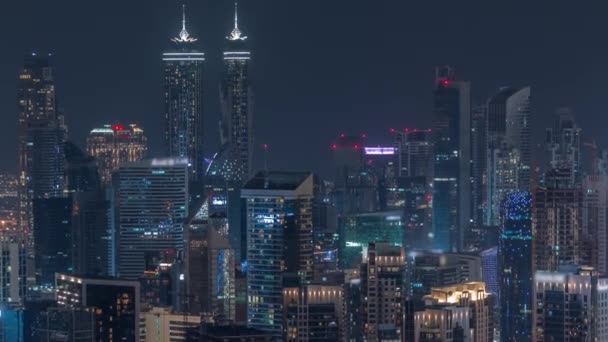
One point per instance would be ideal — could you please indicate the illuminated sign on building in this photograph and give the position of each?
(379, 150)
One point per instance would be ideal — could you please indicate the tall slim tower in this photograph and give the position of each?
(237, 100)
(509, 148)
(451, 160)
(41, 134)
(183, 117)
(515, 267)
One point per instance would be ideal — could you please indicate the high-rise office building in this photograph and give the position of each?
(280, 242)
(428, 270)
(115, 303)
(13, 283)
(112, 145)
(152, 204)
(515, 267)
(570, 305)
(237, 101)
(564, 144)
(504, 166)
(509, 127)
(461, 312)
(53, 238)
(358, 230)
(356, 190)
(314, 313)
(414, 152)
(183, 116)
(37, 132)
(92, 238)
(559, 238)
(479, 159)
(415, 169)
(595, 224)
(451, 161)
(209, 268)
(382, 292)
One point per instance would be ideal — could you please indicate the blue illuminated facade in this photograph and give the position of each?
(279, 242)
(515, 268)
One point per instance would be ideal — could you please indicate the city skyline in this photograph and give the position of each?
(375, 92)
(304, 170)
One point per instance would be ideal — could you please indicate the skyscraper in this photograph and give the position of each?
(53, 238)
(382, 292)
(451, 160)
(152, 204)
(210, 267)
(564, 144)
(559, 238)
(479, 159)
(280, 242)
(515, 268)
(183, 117)
(570, 305)
(237, 100)
(509, 148)
(92, 238)
(415, 169)
(112, 145)
(509, 121)
(415, 149)
(595, 224)
(41, 135)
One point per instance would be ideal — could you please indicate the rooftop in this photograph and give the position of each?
(277, 180)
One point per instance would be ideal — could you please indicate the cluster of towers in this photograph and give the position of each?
(453, 233)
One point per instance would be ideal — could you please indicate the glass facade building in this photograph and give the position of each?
(515, 267)
(358, 230)
(451, 161)
(236, 98)
(183, 92)
(152, 205)
(280, 242)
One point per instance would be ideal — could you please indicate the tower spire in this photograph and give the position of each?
(184, 36)
(236, 34)
(236, 15)
(184, 17)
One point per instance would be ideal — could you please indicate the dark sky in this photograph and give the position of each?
(320, 66)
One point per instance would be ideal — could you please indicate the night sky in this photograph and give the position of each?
(320, 67)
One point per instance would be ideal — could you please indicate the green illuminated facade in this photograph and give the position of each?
(357, 231)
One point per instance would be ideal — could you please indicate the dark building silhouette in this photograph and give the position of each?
(92, 239)
(53, 236)
(451, 161)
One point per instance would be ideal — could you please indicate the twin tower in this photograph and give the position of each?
(184, 119)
